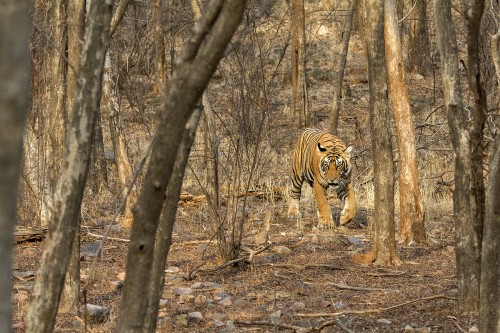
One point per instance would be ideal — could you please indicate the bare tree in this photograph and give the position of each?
(159, 37)
(47, 126)
(419, 50)
(202, 52)
(473, 15)
(75, 31)
(54, 263)
(338, 72)
(468, 246)
(14, 71)
(165, 228)
(411, 215)
(300, 102)
(489, 312)
(384, 244)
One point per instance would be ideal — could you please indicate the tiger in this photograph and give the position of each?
(322, 159)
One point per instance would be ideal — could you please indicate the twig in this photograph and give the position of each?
(378, 310)
(308, 266)
(110, 238)
(268, 323)
(343, 286)
(455, 321)
(391, 273)
(249, 260)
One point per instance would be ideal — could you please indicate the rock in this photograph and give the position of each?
(181, 320)
(218, 323)
(183, 291)
(282, 294)
(200, 300)
(163, 303)
(298, 305)
(226, 301)
(230, 328)
(94, 313)
(325, 303)
(281, 249)
(384, 321)
(186, 298)
(194, 318)
(172, 269)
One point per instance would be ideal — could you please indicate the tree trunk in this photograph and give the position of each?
(123, 165)
(411, 223)
(467, 239)
(419, 54)
(196, 66)
(300, 98)
(474, 79)
(384, 244)
(54, 262)
(14, 71)
(76, 29)
(48, 126)
(159, 37)
(489, 312)
(165, 228)
(338, 73)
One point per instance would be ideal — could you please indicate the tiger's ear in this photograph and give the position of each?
(321, 148)
(348, 151)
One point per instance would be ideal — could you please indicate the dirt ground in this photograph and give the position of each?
(303, 278)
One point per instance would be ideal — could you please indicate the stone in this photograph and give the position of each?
(384, 321)
(94, 313)
(183, 291)
(194, 318)
(280, 249)
(181, 320)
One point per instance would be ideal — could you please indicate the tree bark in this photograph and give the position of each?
(54, 262)
(338, 73)
(489, 312)
(14, 71)
(474, 79)
(300, 98)
(76, 29)
(159, 37)
(411, 223)
(467, 241)
(384, 243)
(166, 226)
(196, 66)
(419, 54)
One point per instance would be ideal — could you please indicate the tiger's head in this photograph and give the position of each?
(335, 165)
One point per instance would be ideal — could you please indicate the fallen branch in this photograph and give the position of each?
(107, 237)
(308, 266)
(233, 262)
(392, 273)
(368, 311)
(344, 286)
(294, 327)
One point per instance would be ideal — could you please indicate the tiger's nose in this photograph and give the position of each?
(335, 182)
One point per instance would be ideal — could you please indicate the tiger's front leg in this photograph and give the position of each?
(324, 212)
(349, 209)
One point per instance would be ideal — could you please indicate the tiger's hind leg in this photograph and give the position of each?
(324, 212)
(349, 210)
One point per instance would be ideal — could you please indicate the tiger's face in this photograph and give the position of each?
(335, 163)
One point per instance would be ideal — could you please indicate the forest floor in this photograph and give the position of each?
(303, 278)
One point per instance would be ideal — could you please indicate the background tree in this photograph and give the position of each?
(338, 72)
(75, 31)
(300, 103)
(48, 117)
(419, 50)
(195, 68)
(384, 244)
(14, 69)
(468, 246)
(54, 263)
(411, 215)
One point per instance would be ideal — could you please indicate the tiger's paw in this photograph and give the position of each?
(293, 211)
(346, 216)
(325, 223)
